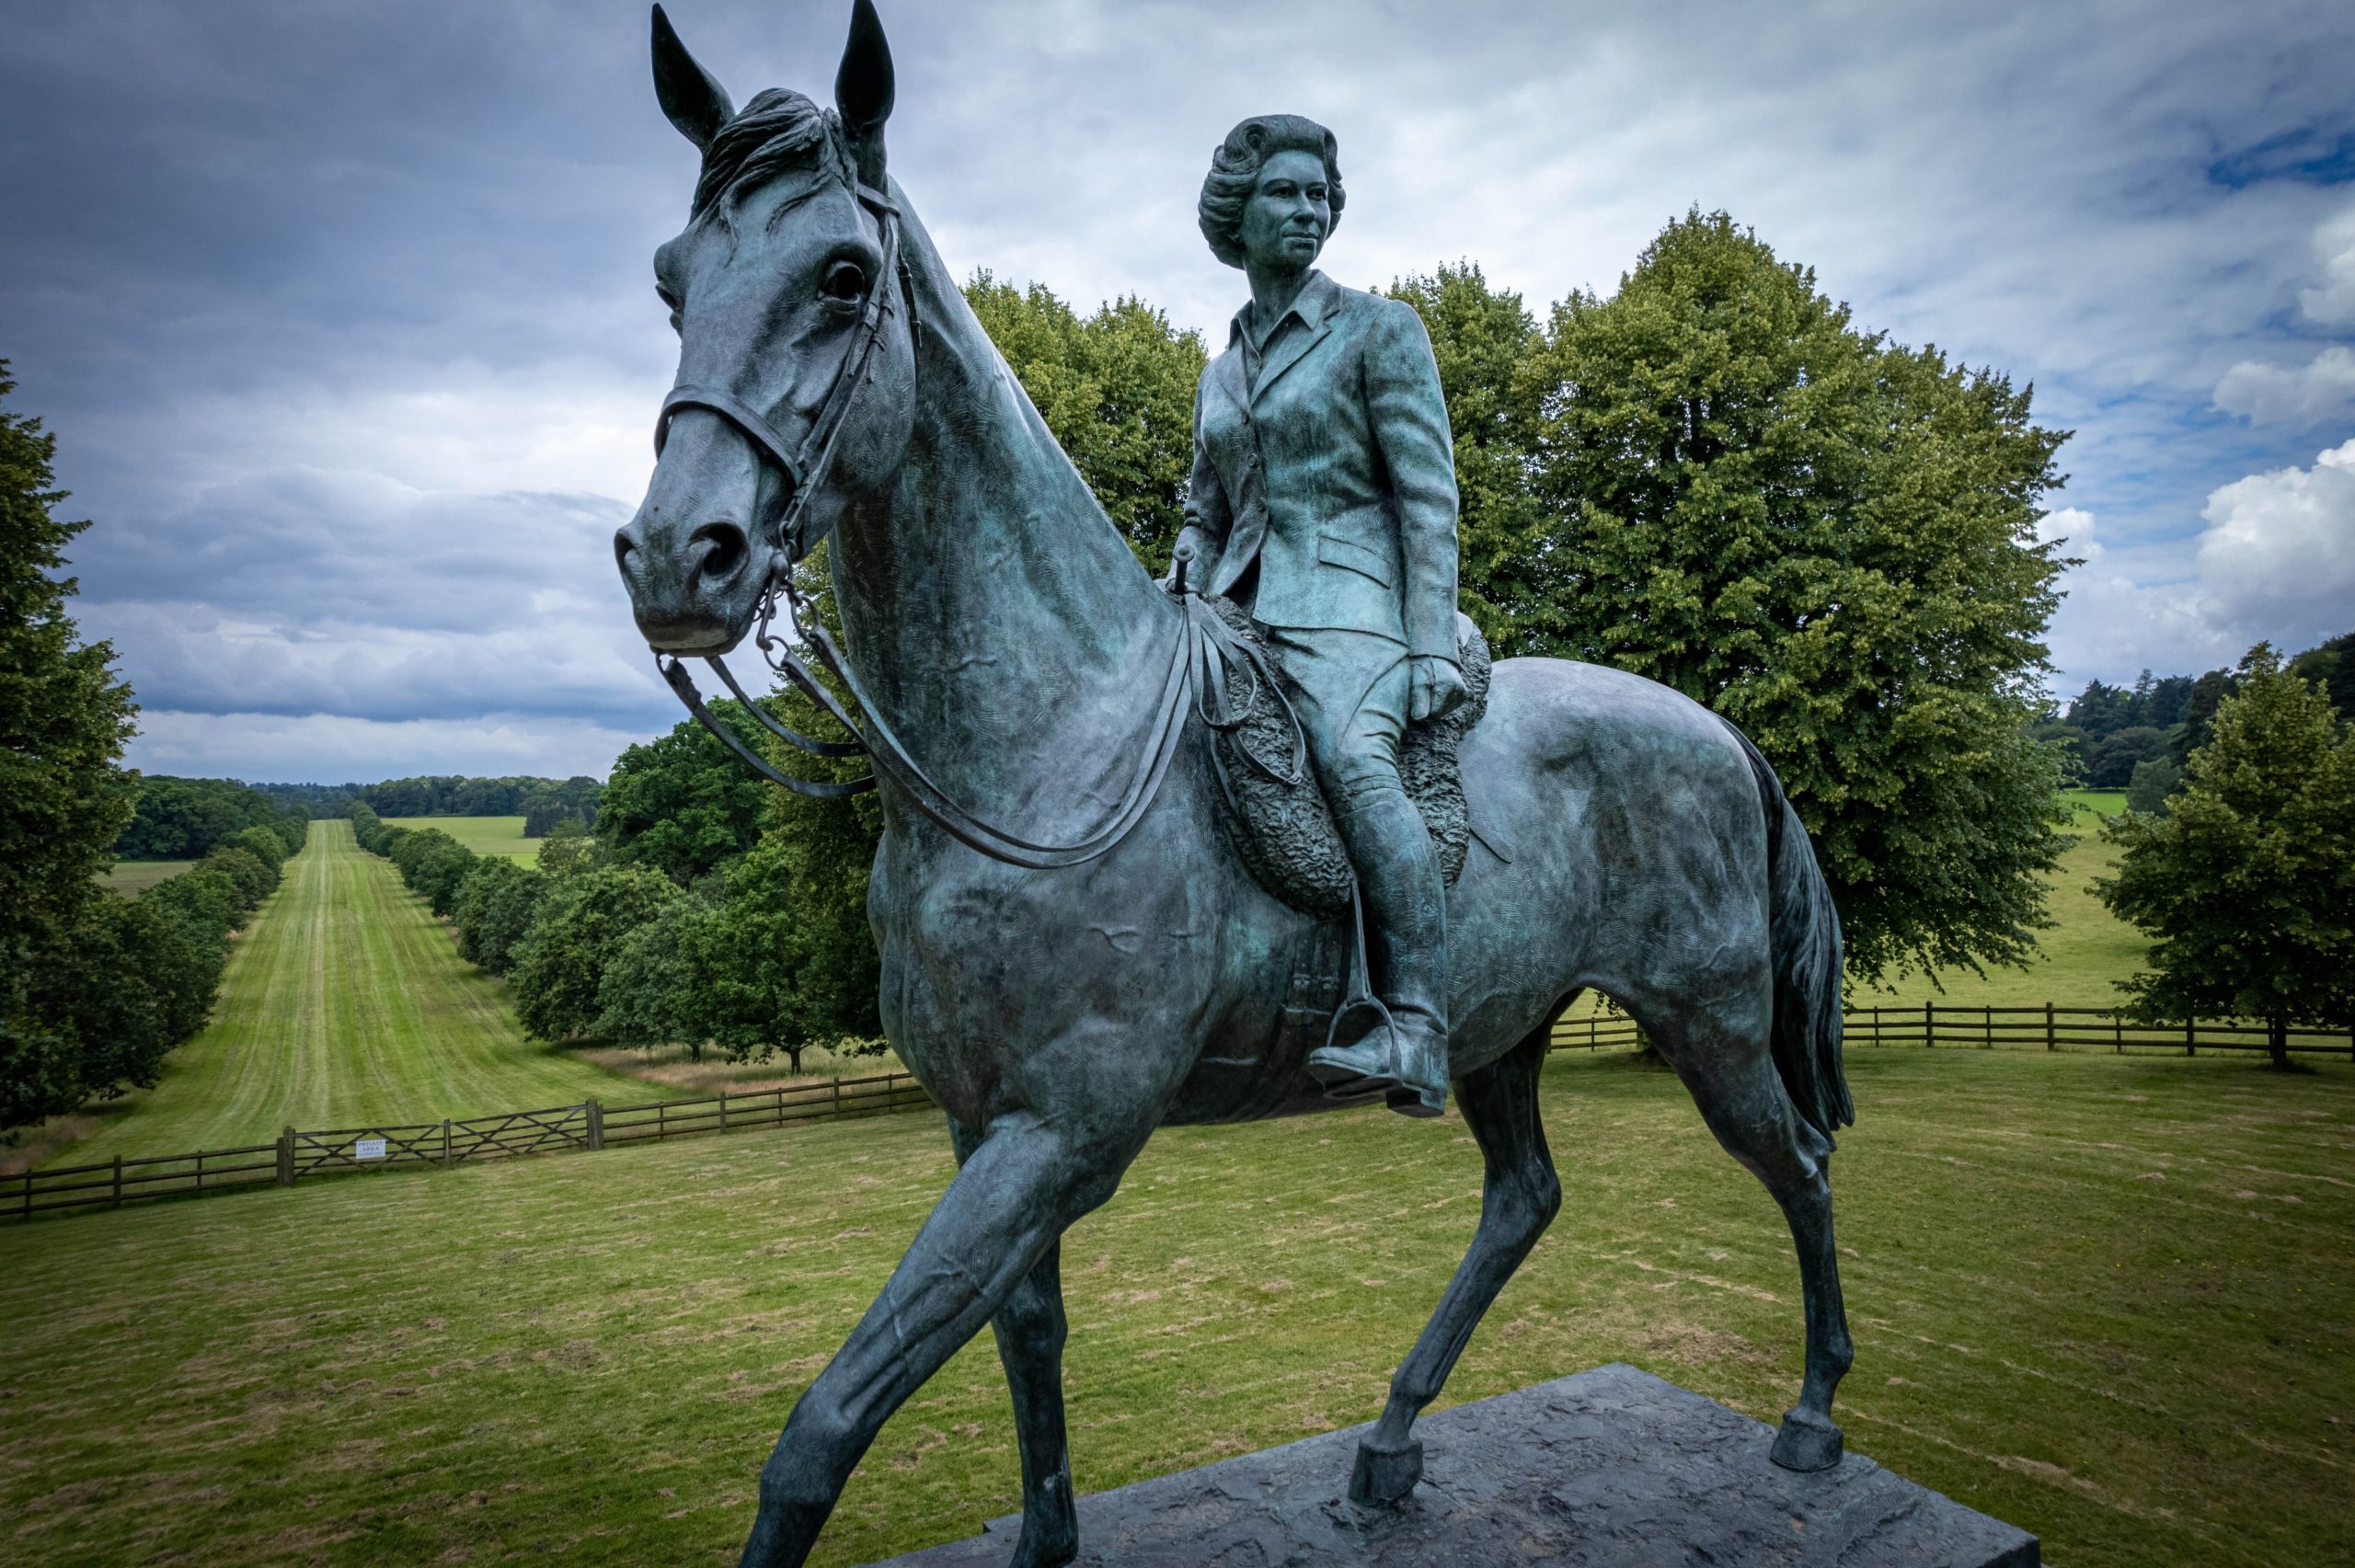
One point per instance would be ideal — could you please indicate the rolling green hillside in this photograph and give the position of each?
(484, 835)
(344, 1003)
(2077, 961)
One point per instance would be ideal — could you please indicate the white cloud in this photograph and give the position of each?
(337, 749)
(2277, 394)
(2074, 529)
(357, 392)
(2279, 549)
(2276, 562)
(2334, 303)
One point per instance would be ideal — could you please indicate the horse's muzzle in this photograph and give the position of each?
(695, 594)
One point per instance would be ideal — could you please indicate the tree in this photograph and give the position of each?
(642, 996)
(496, 903)
(205, 900)
(582, 926)
(130, 981)
(433, 866)
(254, 880)
(1116, 389)
(777, 967)
(2332, 665)
(267, 845)
(182, 819)
(2246, 886)
(1830, 540)
(2208, 695)
(683, 804)
(65, 718)
(2154, 780)
(2109, 762)
(568, 850)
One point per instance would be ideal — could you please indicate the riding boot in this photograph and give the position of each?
(1404, 901)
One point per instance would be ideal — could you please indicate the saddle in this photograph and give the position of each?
(1275, 811)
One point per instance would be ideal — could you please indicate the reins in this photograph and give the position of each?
(1202, 641)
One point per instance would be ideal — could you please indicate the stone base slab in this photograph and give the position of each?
(1608, 1467)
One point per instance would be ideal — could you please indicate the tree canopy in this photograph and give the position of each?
(181, 819)
(2246, 885)
(65, 718)
(683, 804)
(1116, 390)
(1714, 478)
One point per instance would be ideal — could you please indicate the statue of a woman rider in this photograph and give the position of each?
(1323, 498)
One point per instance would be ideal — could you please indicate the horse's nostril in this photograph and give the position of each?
(719, 549)
(623, 545)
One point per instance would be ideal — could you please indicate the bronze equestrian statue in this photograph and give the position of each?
(1074, 951)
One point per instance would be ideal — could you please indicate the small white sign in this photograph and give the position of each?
(368, 1149)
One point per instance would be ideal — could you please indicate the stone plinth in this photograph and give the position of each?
(1608, 1467)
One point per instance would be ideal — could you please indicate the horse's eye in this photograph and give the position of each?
(846, 280)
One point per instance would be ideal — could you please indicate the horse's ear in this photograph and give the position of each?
(690, 95)
(863, 90)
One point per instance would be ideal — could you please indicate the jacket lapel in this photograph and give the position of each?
(1226, 374)
(1315, 306)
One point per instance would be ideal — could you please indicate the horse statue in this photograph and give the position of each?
(1110, 965)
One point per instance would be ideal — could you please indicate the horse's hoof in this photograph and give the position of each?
(1807, 1442)
(1386, 1476)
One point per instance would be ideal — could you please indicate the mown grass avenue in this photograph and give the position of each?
(2111, 1301)
(343, 1003)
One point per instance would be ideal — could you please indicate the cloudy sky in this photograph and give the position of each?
(342, 313)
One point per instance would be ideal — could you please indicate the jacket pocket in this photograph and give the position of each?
(1335, 551)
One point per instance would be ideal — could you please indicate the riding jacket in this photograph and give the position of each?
(1329, 475)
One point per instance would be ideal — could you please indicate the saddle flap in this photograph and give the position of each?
(1284, 831)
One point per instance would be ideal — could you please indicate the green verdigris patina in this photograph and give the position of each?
(1113, 966)
(1323, 495)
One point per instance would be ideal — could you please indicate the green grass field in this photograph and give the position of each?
(2112, 1300)
(344, 1003)
(484, 835)
(133, 878)
(2077, 962)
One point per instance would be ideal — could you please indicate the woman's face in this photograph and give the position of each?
(1285, 221)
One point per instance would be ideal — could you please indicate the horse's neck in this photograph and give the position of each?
(991, 608)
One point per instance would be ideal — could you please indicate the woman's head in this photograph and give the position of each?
(1237, 171)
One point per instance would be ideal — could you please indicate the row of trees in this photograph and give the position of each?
(2140, 738)
(542, 802)
(127, 980)
(176, 818)
(703, 911)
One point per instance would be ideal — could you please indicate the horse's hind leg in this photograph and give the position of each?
(1732, 1075)
(1518, 1200)
(1030, 1329)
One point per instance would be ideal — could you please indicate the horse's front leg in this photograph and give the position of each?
(1030, 1329)
(1023, 1183)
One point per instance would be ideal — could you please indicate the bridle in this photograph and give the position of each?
(807, 466)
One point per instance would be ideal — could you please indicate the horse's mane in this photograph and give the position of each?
(778, 132)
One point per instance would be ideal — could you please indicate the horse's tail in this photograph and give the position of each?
(1803, 930)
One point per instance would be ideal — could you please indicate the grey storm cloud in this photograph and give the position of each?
(343, 314)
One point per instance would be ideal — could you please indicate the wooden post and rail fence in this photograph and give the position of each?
(591, 1126)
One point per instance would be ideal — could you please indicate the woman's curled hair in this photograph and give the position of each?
(1235, 174)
